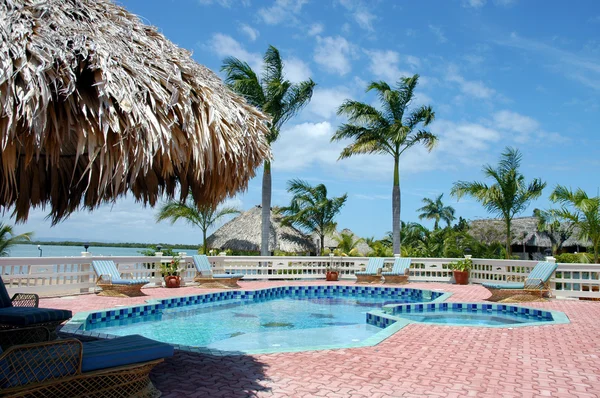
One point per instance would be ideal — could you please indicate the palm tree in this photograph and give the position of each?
(582, 210)
(390, 131)
(9, 239)
(435, 210)
(278, 98)
(347, 244)
(311, 210)
(203, 217)
(508, 196)
(554, 225)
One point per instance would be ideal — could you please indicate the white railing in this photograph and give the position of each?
(67, 275)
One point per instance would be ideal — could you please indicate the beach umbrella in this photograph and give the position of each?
(95, 104)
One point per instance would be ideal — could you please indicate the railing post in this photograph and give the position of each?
(85, 268)
(550, 259)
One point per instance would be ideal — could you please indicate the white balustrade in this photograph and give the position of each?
(67, 275)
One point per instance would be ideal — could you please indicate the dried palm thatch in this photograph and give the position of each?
(243, 234)
(330, 241)
(95, 104)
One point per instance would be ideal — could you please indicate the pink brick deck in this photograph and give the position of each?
(556, 360)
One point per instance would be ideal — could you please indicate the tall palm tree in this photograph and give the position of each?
(392, 131)
(311, 210)
(435, 210)
(9, 239)
(582, 210)
(277, 97)
(508, 196)
(202, 217)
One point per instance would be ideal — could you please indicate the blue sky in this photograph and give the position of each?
(496, 72)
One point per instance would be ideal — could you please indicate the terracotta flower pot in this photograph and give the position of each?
(172, 281)
(461, 277)
(332, 276)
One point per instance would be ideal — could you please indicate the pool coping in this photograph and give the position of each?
(73, 326)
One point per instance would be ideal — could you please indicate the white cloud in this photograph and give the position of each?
(226, 46)
(296, 70)
(361, 13)
(472, 88)
(364, 19)
(438, 33)
(316, 29)
(473, 3)
(326, 101)
(411, 32)
(249, 31)
(516, 122)
(346, 28)
(334, 54)
(281, 11)
(385, 65)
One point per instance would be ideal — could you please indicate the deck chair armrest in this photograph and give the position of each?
(25, 300)
(535, 283)
(514, 278)
(41, 362)
(35, 334)
(104, 278)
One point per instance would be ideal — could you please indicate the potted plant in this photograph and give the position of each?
(170, 272)
(461, 269)
(333, 272)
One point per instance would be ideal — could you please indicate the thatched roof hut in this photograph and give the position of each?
(524, 231)
(330, 242)
(93, 104)
(243, 234)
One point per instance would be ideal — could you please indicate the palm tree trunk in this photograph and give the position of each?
(396, 207)
(204, 241)
(322, 237)
(266, 210)
(508, 240)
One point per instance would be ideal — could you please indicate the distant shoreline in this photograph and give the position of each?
(104, 244)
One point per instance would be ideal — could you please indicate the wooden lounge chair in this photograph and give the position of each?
(399, 272)
(373, 272)
(206, 278)
(22, 312)
(69, 368)
(535, 286)
(112, 283)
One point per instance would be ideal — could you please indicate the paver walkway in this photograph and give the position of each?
(419, 360)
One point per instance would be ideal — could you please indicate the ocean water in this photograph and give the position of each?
(75, 251)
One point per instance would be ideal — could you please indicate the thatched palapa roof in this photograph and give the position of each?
(243, 233)
(523, 229)
(362, 247)
(93, 103)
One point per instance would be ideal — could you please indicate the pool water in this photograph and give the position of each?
(276, 324)
(475, 319)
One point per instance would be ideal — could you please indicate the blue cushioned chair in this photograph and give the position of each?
(206, 278)
(535, 286)
(117, 368)
(399, 272)
(22, 311)
(372, 274)
(113, 284)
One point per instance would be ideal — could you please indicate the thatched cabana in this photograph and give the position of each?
(243, 234)
(95, 104)
(525, 236)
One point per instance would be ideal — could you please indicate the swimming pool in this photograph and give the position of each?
(269, 320)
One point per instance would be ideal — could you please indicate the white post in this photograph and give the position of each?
(85, 268)
(468, 256)
(550, 259)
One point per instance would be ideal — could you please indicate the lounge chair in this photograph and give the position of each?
(399, 272)
(22, 312)
(67, 368)
(535, 286)
(112, 283)
(206, 278)
(373, 272)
